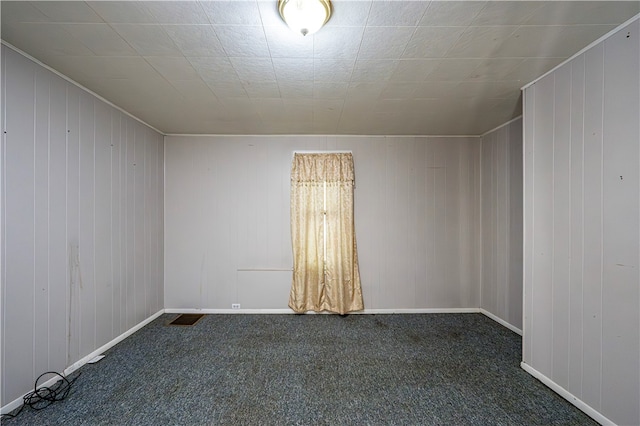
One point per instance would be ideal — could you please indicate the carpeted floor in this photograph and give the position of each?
(422, 369)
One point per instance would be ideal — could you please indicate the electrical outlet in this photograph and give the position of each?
(235, 306)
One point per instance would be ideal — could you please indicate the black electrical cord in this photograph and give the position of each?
(42, 397)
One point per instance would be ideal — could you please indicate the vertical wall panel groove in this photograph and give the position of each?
(60, 221)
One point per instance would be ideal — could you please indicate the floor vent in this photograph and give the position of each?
(186, 319)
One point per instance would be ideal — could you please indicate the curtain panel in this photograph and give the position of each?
(325, 260)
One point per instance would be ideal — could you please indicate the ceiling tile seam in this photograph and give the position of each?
(355, 61)
(266, 40)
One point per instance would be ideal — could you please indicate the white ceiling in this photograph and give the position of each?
(378, 67)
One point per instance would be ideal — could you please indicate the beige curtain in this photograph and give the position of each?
(325, 258)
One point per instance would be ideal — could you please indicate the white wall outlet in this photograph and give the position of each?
(235, 306)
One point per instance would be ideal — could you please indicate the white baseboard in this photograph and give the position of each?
(19, 401)
(289, 311)
(73, 367)
(501, 321)
(580, 404)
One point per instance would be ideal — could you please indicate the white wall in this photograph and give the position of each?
(82, 223)
(227, 232)
(582, 227)
(501, 198)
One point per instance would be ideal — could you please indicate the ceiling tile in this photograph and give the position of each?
(195, 40)
(100, 38)
(21, 11)
(177, 12)
(585, 12)
(384, 42)
(432, 42)
(333, 69)
(399, 91)
(494, 69)
(232, 12)
(481, 42)
(67, 11)
(227, 89)
(373, 70)
(173, 68)
(364, 91)
(254, 69)
(414, 69)
(498, 12)
(349, 13)
(396, 13)
(293, 69)
(243, 40)
(337, 42)
(454, 69)
(296, 89)
(551, 41)
(262, 89)
(44, 39)
(106, 68)
(435, 89)
(329, 90)
(213, 69)
(284, 43)
(148, 40)
(122, 12)
(269, 14)
(194, 91)
(532, 68)
(451, 13)
(494, 89)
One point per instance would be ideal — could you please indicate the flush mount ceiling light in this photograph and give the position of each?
(305, 16)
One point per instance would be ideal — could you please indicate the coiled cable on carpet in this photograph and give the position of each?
(42, 397)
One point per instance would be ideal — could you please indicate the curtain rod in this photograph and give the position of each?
(322, 152)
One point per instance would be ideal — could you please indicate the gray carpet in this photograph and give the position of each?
(422, 369)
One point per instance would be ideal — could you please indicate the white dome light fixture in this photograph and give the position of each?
(305, 16)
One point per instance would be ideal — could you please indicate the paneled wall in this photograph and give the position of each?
(82, 223)
(501, 199)
(228, 239)
(582, 227)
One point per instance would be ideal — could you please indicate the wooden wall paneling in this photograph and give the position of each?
(592, 284)
(543, 226)
(40, 217)
(58, 247)
(86, 273)
(620, 244)
(515, 284)
(561, 224)
(73, 222)
(529, 134)
(18, 309)
(577, 228)
(103, 230)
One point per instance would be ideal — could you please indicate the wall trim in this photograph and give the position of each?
(287, 135)
(501, 126)
(580, 52)
(76, 365)
(501, 321)
(75, 83)
(580, 404)
(289, 311)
